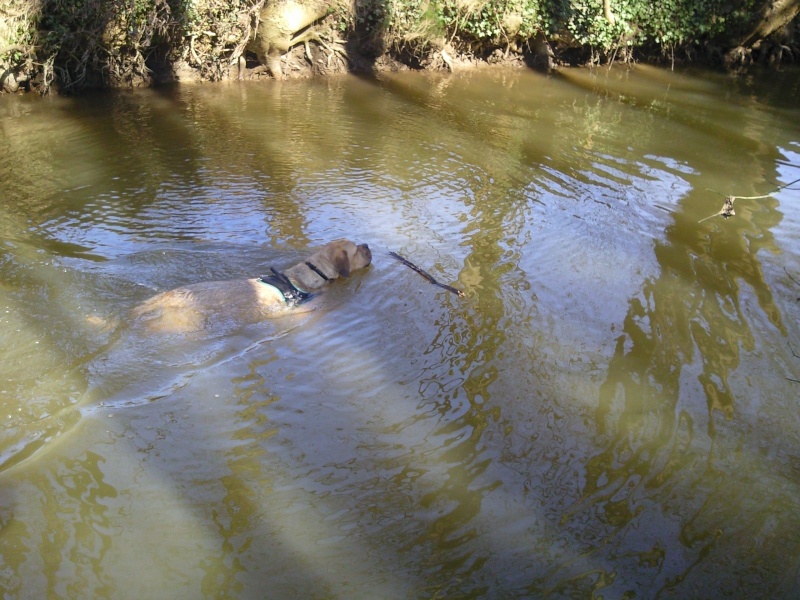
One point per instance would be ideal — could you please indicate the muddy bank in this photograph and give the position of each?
(52, 45)
(304, 63)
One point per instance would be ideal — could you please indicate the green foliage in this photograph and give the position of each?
(496, 22)
(369, 15)
(18, 34)
(96, 42)
(487, 24)
(667, 23)
(471, 23)
(112, 42)
(678, 22)
(210, 31)
(588, 25)
(402, 24)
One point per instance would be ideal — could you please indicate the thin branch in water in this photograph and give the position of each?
(427, 275)
(777, 189)
(725, 212)
(796, 356)
(789, 275)
(727, 208)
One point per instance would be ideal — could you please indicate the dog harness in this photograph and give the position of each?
(316, 270)
(291, 294)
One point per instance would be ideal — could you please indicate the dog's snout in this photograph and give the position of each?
(364, 248)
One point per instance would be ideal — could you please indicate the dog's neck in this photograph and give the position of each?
(291, 293)
(317, 270)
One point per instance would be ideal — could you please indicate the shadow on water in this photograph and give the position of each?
(47, 305)
(467, 343)
(404, 443)
(683, 339)
(686, 335)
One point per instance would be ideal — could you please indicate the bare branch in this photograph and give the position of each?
(727, 208)
(427, 275)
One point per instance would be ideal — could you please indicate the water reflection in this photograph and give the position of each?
(465, 349)
(606, 412)
(684, 338)
(73, 547)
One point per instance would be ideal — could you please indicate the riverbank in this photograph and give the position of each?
(54, 45)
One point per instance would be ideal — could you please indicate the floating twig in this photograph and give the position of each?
(796, 356)
(727, 208)
(790, 276)
(427, 275)
(725, 212)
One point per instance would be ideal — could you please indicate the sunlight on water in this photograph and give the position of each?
(610, 410)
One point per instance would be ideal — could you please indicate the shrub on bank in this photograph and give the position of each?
(109, 43)
(112, 43)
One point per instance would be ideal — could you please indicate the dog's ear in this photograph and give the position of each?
(341, 263)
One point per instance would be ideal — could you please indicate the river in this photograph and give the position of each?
(609, 411)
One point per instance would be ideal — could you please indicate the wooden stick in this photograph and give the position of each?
(427, 275)
(727, 207)
(726, 211)
(790, 276)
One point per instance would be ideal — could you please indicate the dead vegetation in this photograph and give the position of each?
(18, 40)
(113, 43)
(71, 45)
(727, 209)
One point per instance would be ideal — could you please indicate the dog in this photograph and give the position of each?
(191, 307)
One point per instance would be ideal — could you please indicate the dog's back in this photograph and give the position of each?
(189, 308)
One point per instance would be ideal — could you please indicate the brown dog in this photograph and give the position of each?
(189, 308)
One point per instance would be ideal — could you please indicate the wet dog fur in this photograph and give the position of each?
(192, 307)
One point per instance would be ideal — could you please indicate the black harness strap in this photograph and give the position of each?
(316, 270)
(291, 294)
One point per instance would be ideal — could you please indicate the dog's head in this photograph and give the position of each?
(347, 257)
(335, 259)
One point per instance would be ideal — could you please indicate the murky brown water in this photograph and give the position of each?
(611, 411)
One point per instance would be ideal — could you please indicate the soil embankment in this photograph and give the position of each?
(50, 45)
